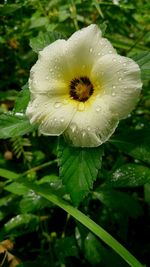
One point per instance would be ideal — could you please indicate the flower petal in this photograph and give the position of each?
(93, 126)
(53, 115)
(119, 83)
(84, 48)
(49, 74)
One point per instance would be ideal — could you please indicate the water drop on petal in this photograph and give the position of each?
(98, 108)
(73, 127)
(113, 94)
(83, 133)
(57, 104)
(81, 106)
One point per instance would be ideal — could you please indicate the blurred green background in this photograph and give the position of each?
(43, 235)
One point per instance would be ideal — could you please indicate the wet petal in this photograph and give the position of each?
(49, 73)
(118, 81)
(93, 126)
(52, 114)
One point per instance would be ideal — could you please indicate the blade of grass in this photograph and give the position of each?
(86, 221)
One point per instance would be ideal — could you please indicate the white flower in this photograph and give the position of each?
(82, 88)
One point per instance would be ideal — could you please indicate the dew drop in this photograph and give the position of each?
(110, 52)
(88, 128)
(91, 50)
(57, 104)
(47, 78)
(114, 60)
(113, 94)
(51, 70)
(124, 64)
(81, 106)
(99, 54)
(114, 87)
(98, 108)
(73, 127)
(83, 133)
(62, 119)
(120, 79)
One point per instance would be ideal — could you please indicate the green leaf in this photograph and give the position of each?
(16, 188)
(43, 39)
(8, 174)
(37, 22)
(66, 247)
(5, 201)
(22, 223)
(147, 193)
(129, 175)
(119, 201)
(14, 125)
(8, 9)
(129, 143)
(8, 95)
(93, 250)
(48, 179)
(78, 169)
(143, 60)
(123, 42)
(32, 202)
(85, 220)
(22, 100)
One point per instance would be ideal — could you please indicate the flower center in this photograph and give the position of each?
(81, 88)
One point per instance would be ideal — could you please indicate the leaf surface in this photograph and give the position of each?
(78, 169)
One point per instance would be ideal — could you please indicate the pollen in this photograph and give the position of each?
(81, 89)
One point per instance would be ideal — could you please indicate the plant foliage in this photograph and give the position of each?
(39, 174)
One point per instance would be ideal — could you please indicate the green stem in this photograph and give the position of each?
(86, 221)
(37, 168)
